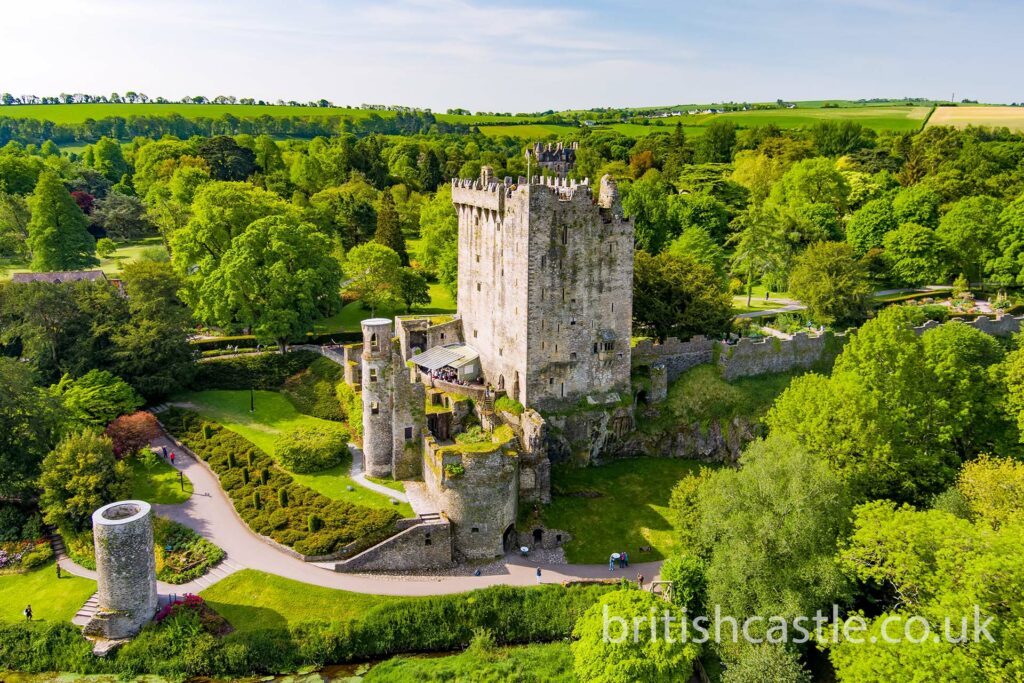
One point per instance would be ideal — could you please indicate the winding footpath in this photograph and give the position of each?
(211, 514)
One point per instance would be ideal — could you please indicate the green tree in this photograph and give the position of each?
(646, 202)
(772, 527)
(108, 159)
(123, 217)
(152, 351)
(761, 250)
(57, 233)
(226, 159)
(375, 272)
(870, 224)
(994, 490)
(79, 476)
(812, 181)
(695, 243)
(276, 278)
(389, 228)
(830, 280)
(678, 297)
(439, 228)
(412, 288)
(917, 204)
(31, 423)
(915, 255)
(766, 662)
(96, 398)
(716, 144)
(971, 232)
(14, 219)
(700, 210)
(613, 659)
(834, 138)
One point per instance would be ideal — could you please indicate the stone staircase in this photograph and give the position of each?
(162, 408)
(85, 614)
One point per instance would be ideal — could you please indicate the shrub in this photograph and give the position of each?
(453, 470)
(315, 524)
(19, 523)
(256, 500)
(352, 406)
(245, 475)
(263, 371)
(207, 431)
(264, 474)
(37, 557)
(282, 498)
(131, 433)
(509, 405)
(311, 448)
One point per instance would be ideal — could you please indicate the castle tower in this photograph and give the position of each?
(378, 399)
(125, 569)
(546, 286)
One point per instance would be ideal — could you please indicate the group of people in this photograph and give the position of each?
(450, 375)
(168, 456)
(622, 559)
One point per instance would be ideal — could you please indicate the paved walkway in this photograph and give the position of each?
(359, 476)
(211, 514)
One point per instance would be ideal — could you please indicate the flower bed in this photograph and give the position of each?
(270, 501)
(209, 620)
(181, 554)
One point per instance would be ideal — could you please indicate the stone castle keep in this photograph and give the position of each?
(544, 323)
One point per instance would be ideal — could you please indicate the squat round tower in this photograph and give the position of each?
(125, 568)
(378, 388)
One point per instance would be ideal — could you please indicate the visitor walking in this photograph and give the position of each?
(622, 560)
(639, 580)
(163, 451)
(172, 457)
(538, 575)
(625, 558)
(58, 569)
(611, 562)
(28, 613)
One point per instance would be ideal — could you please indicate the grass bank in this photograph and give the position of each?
(52, 599)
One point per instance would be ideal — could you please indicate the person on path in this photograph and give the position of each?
(538, 575)
(172, 457)
(58, 569)
(611, 562)
(163, 451)
(622, 560)
(28, 613)
(625, 558)
(639, 580)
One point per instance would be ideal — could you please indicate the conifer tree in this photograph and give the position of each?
(57, 233)
(389, 228)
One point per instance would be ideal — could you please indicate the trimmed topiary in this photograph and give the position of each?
(282, 497)
(256, 500)
(315, 524)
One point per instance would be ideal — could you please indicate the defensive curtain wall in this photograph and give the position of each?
(749, 357)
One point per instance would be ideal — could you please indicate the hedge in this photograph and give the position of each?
(312, 448)
(179, 647)
(263, 371)
(244, 340)
(312, 391)
(257, 501)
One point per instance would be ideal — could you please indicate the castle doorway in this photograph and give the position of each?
(538, 536)
(509, 540)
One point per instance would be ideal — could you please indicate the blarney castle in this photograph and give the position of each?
(467, 404)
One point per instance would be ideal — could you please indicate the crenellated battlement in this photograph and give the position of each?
(487, 193)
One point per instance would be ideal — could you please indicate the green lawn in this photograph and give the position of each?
(390, 483)
(350, 317)
(252, 600)
(276, 414)
(127, 252)
(52, 599)
(158, 484)
(629, 510)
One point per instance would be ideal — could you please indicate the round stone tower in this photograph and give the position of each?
(125, 568)
(378, 388)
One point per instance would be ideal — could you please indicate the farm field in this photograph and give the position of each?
(275, 414)
(878, 118)
(996, 117)
(77, 113)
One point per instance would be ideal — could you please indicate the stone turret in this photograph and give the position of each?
(125, 569)
(378, 397)
(608, 195)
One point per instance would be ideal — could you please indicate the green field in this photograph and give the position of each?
(52, 599)
(127, 252)
(252, 601)
(878, 118)
(77, 113)
(619, 506)
(441, 303)
(274, 415)
(528, 131)
(158, 484)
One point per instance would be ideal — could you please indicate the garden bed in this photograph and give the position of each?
(21, 556)
(271, 501)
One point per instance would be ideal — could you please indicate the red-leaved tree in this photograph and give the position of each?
(132, 432)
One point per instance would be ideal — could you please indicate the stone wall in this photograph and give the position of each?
(125, 569)
(424, 545)
(481, 502)
(545, 286)
(999, 326)
(408, 421)
(676, 356)
(748, 357)
(417, 332)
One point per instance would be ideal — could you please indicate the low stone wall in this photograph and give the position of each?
(999, 326)
(676, 356)
(427, 544)
(749, 357)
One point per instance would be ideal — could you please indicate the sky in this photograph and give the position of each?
(516, 55)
